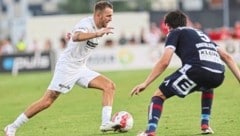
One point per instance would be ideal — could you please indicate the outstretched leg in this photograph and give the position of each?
(48, 98)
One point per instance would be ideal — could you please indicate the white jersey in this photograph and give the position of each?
(80, 51)
(71, 67)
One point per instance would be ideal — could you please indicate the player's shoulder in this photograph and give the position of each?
(182, 30)
(175, 32)
(87, 21)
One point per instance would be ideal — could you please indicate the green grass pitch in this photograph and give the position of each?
(78, 112)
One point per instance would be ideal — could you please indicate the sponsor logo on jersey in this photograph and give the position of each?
(91, 44)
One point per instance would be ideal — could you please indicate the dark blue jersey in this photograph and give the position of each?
(195, 48)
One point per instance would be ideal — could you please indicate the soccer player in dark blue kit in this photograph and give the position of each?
(202, 70)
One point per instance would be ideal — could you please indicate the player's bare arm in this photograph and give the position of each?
(82, 36)
(230, 63)
(158, 69)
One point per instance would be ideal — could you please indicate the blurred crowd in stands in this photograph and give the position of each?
(225, 32)
(7, 47)
(152, 37)
(157, 34)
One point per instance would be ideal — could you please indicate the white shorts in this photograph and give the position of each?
(66, 75)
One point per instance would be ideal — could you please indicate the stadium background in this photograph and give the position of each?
(31, 38)
(33, 26)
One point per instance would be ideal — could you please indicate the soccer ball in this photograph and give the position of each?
(125, 120)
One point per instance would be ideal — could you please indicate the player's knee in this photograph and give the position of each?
(110, 87)
(160, 94)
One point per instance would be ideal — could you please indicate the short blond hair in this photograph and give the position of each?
(101, 5)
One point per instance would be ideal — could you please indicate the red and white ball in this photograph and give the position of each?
(125, 119)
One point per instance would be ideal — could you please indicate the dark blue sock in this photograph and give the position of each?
(207, 99)
(154, 113)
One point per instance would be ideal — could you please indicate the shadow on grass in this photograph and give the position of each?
(198, 134)
(126, 133)
(109, 134)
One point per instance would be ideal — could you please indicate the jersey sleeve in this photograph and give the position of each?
(172, 39)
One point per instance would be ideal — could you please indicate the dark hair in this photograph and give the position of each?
(175, 19)
(102, 4)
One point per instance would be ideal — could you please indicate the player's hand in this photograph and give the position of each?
(137, 89)
(68, 36)
(106, 30)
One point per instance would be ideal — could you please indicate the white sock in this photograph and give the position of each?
(106, 114)
(21, 119)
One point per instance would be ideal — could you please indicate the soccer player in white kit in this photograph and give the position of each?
(71, 69)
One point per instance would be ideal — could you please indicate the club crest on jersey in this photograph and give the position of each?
(91, 44)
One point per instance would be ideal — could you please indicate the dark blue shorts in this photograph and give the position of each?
(189, 79)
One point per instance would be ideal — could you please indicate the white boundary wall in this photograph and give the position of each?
(127, 57)
(143, 56)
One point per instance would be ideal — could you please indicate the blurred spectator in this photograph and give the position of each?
(222, 33)
(122, 40)
(153, 37)
(142, 36)
(236, 30)
(109, 43)
(21, 45)
(33, 46)
(132, 40)
(225, 33)
(215, 4)
(47, 45)
(6, 47)
(214, 34)
(1, 44)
